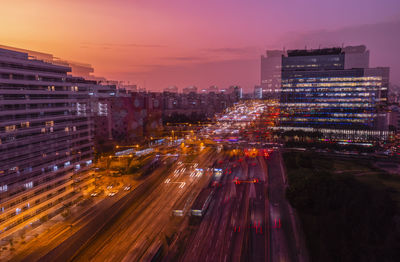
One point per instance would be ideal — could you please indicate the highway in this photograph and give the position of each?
(128, 228)
(248, 218)
(282, 237)
(233, 229)
(131, 237)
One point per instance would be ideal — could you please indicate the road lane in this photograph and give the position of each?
(283, 246)
(228, 227)
(134, 233)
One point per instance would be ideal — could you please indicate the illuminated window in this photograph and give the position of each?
(10, 128)
(28, 185)
(25, 124)
(3, 188)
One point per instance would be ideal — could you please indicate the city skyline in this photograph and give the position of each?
(200, 131)
(154, 44)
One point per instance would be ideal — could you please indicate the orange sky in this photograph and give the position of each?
(159, 43)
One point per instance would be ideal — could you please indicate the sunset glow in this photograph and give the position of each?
(159, 43)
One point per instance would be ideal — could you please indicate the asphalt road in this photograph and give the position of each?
(131, 237)
(282, 238)
(130, 227)
(245, 221)
(234, 227)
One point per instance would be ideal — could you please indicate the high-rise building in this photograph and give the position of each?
(258, 92)
(271, 65)
(333, 88)
(236, 91)
(46, 145)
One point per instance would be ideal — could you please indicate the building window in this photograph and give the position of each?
(3, 188)
(28, 185)
(25, 124)
(10, 128)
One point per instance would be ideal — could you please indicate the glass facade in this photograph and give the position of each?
(318, 92)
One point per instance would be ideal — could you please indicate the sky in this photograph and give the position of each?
(158, 43)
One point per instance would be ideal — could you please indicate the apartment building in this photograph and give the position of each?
(46, 146)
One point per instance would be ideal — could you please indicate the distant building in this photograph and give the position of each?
(236, 91)
(195, 104)
(213, 89)
(203, 91)
(153, 125)
(394, 94)
(102, 97)
(171, 89)
(271, 65)
(333, 88)
(394, 117)
(190, 89)
(128, 87)
(258, 92)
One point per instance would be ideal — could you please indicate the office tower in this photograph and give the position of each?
(46, 142)
(333, 88)
(271, 73)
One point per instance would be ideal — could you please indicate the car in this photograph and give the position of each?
(111, 194)
(96, 193)
(216, 184)
(127, 188)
